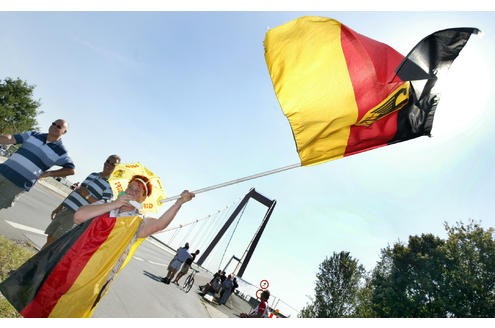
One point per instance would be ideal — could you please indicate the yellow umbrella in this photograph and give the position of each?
(124, 172)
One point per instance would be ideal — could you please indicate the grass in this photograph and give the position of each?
(12, 255)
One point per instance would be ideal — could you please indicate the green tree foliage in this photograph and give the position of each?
(470, 271)
(18, 109)
(364, 307)
(407, 279)
(336, 293)
(430, 277)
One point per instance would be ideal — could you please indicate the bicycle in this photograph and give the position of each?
(189, 281)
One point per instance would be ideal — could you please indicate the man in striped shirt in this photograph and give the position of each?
(38, 153)
(95, 187)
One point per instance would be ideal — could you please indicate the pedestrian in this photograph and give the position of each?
(70, 276)
(236, 285)
(227, 288)
(38, 153)
(261, 311)
(217, 274)
(95, 187)
(180, 257)
(223, 276)
(213, 287)
(185, 267)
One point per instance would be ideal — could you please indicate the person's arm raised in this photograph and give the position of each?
(152, 226)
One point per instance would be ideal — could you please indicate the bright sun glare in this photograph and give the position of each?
(464, 92)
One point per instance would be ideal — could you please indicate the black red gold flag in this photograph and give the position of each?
(344, 93)
(68, 277)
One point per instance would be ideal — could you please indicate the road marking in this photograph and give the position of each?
(25, 228)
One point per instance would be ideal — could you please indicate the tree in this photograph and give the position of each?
(337, 287)
(18, 109)
(406, 281)
(364, 308)
(470, 271)
(431, 277)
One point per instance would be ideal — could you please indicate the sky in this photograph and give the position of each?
(188, 94)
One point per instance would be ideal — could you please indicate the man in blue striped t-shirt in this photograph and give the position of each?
(38, 153)
(95, 187)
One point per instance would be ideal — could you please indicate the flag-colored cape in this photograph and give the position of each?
(68, 278)
(344, 93)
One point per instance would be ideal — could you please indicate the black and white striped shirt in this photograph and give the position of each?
(98, 187)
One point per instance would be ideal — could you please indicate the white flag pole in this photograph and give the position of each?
(228, 183)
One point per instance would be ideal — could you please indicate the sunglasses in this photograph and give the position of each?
(57, 125)
(110, 163)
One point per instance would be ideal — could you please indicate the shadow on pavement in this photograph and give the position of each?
(152, 276)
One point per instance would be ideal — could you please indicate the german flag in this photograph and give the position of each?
(344, 93)
(69, 277)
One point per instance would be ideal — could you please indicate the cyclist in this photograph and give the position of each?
(186, 266)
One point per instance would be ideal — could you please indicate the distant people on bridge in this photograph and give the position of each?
(95, 187)
(215, 275)
(38, 153)
(70, 276)
(223, 276)
(228, 287)
(180, 257)
(236, 285)
(214, 286)
(261, 311)
(186, 266)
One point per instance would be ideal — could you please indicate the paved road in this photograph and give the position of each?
(137, 291)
